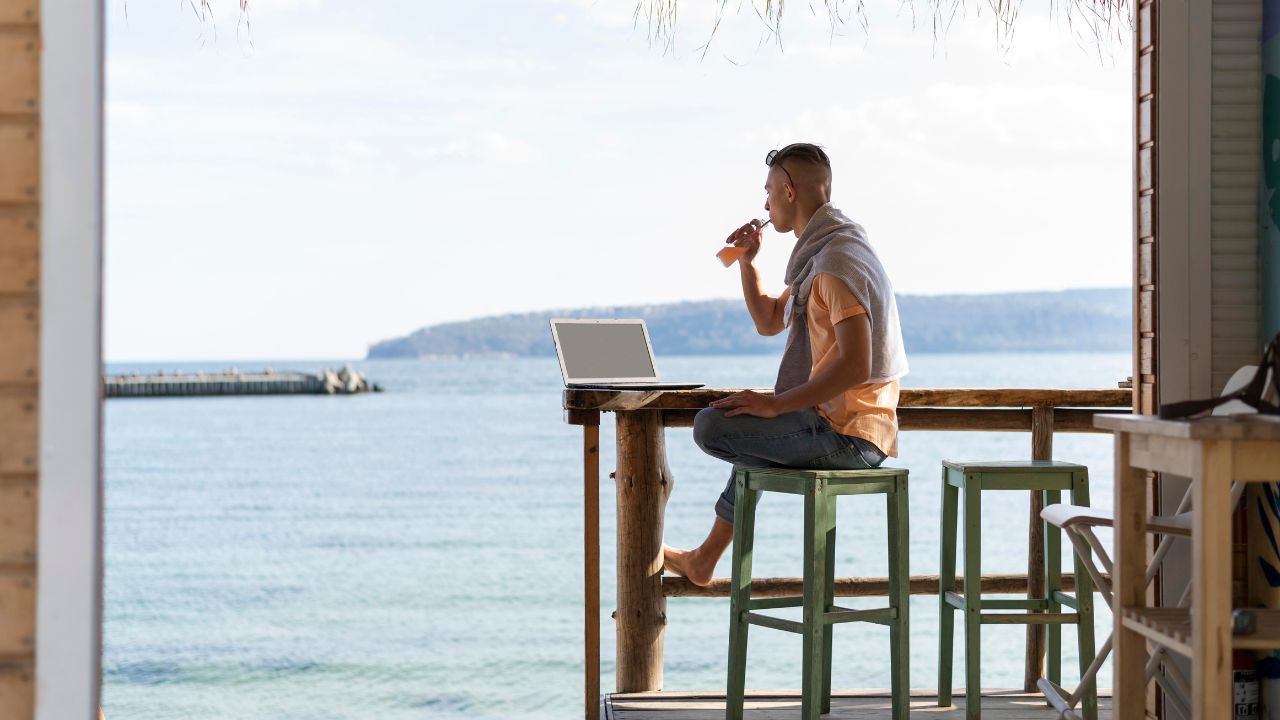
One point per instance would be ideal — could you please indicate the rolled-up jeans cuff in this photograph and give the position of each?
(724, 509)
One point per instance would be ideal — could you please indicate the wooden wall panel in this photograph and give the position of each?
(17, 522)
(17, 614)
(19, 12)
(20, 171)
(19, 73)
(18, 435)
(19, 351)
(17, 693)
(19, 253)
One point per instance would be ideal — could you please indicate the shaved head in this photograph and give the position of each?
(799, 183)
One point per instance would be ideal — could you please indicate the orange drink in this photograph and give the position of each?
(730, 255)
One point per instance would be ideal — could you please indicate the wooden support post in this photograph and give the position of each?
(591, 560)
(1041, 449)
(643, 485)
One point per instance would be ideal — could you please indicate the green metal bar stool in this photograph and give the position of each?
(1050, 478)
(819, 489)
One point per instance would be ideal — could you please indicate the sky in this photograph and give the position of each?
(337, 173)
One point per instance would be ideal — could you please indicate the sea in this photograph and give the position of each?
(416, 553)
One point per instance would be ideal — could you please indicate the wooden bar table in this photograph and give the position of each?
(643, 482)
(1213, 452)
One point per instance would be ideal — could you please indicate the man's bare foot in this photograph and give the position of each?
(687, 564)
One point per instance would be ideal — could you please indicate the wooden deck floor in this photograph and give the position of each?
(845, 705)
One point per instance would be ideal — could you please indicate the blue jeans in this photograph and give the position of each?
(801, 439)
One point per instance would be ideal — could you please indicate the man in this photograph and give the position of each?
(835, 401)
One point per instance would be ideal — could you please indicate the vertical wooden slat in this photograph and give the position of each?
(1041, 449)
(19, 350)
(591, 562)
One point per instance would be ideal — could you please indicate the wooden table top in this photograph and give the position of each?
(624, 400)
(1218, 427)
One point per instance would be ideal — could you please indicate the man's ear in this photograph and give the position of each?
(791, 192)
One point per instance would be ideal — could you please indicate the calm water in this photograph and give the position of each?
(415, 554)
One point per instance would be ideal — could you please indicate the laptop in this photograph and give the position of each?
(608, 355)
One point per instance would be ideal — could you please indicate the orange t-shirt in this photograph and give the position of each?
(868, 411)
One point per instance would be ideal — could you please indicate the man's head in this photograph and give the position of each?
(799, 183)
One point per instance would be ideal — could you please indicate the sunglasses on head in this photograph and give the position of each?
(769, 161)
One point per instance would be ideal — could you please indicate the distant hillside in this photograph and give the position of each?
(1093, 320)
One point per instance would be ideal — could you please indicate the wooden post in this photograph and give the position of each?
(591, 561)
(1041, 449)
(643, 485)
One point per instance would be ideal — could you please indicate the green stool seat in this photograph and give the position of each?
(820, 488)
(1049, 478)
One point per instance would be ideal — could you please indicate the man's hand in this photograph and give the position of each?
(746, 237)
(748, 402)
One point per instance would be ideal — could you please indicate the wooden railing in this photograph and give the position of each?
(643, 482)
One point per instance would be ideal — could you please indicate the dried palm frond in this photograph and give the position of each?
(1101, 20)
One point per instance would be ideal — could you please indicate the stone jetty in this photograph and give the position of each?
(344, 381)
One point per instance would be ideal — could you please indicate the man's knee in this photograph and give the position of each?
(708, 429)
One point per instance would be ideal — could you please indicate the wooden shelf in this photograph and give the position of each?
(1171, 627)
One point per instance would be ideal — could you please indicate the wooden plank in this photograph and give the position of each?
(1146, 263)
(20, 351)
(19, 12)
(1129, 584)
(19, 253)
(1145, 215)
(1145, 355)
(1041, 449)
(17, 613)
(1239, 427)
(1211, 690)
(1145, 28)
(18, 431)
(19, 73)
(591, 563)
(20, 172)
(1162, 454)
(1144, 168)
(17, 691)
(853, 586)
(624, 400)
(17, 522)
(1257, 462)
(1144, 120)
(1146, 311)
(1144, 79)
(959, 419)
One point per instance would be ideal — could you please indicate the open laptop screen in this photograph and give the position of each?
(595, 350)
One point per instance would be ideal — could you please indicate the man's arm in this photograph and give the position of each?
(852, 367)
(766, 310)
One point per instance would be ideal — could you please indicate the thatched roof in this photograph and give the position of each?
(1100, 19)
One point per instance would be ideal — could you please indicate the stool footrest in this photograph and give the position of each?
(1032, 604)
(1028, 618)
(773, 622)
(1066, 599)
(875, 615)
(774, 603)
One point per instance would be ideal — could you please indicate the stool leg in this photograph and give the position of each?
(1053, 584)
(815, 572)
(1084, 598)
(972, 597)
(744, 521)
(946, 574)
(900, 594)
(829, 594)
